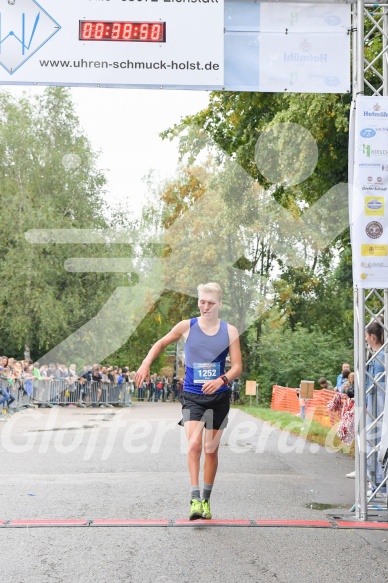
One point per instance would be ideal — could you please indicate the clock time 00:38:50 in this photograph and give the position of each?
(122, 31)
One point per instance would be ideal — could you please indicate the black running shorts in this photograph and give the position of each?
(211, 409)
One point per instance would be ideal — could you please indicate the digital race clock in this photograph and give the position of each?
(150, 32)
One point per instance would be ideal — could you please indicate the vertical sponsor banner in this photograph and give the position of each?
(368, 198)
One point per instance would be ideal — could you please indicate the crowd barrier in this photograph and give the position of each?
(285, 399)
(63, 392)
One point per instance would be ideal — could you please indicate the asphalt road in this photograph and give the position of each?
(131, 464)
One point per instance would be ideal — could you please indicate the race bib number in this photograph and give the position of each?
(204, 371)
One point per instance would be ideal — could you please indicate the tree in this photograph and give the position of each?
(283, 356)
(49, 180)
(257, 132)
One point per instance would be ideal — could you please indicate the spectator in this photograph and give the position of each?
(5, 398)
(141, 391)
(41, 386)
(302, 405)
(170, 391)
(105, 384)
(5, 395)
(174, 387)
(125, 373)
(43, 371)
(60, 384)
(235, 391)
(17, 376)
(375, 399)
(341, 379)
(61, 372)
(153, 390)
(51, 371)
(96, 385)
(85, 380)
(117, 387)
(350, 388)
(73, 371)
(28, 377)
(126, 387)
(36, 371)
(345, 383)
(325, 384)
(73, 386)
(132, 382)
(159, 388)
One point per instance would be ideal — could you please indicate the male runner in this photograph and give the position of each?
(205, 396)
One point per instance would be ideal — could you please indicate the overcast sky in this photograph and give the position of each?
(125, 125)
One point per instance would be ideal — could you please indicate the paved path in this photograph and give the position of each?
(131, 464)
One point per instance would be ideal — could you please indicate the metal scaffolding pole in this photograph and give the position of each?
(370, 77)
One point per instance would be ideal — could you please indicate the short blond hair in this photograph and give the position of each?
(210, 288)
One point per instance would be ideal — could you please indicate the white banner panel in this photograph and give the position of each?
(188, 44)
(327, 18)
(113, 42)
(368, 201)
(305, 62)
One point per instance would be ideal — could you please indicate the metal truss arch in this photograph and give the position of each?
(370, 77)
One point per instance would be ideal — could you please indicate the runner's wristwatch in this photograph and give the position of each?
(225, 379)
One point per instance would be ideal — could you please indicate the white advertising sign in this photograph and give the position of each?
(304, 62)
(189, 44)
(112, 42)
(304, 47)
(368, 204)
(327, 18)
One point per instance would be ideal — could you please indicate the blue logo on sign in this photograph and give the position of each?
(374, 205)
(331, 81)
(367, 133)
(332, 20)
(25, 27)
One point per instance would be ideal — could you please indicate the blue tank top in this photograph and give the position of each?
(205, 356)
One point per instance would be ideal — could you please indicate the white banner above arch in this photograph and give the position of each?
(176, 44)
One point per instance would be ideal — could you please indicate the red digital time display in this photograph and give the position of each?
(149, 32)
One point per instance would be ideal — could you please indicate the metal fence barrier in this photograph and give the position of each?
(81, 393)
(62, 392)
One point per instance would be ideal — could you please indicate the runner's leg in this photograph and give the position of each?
(194, 431)
(211, 446)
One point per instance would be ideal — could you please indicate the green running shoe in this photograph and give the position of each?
(206, 509)
(195, 510)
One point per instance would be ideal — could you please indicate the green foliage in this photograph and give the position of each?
(373, 48)
(285, 357)
(314, 331)
(155, 325)
(41, 302)
(318, 300)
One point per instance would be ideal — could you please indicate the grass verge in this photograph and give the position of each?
(308, 429)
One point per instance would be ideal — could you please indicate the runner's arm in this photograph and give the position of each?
(174, 335)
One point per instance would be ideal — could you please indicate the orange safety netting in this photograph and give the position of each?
(285, 399)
